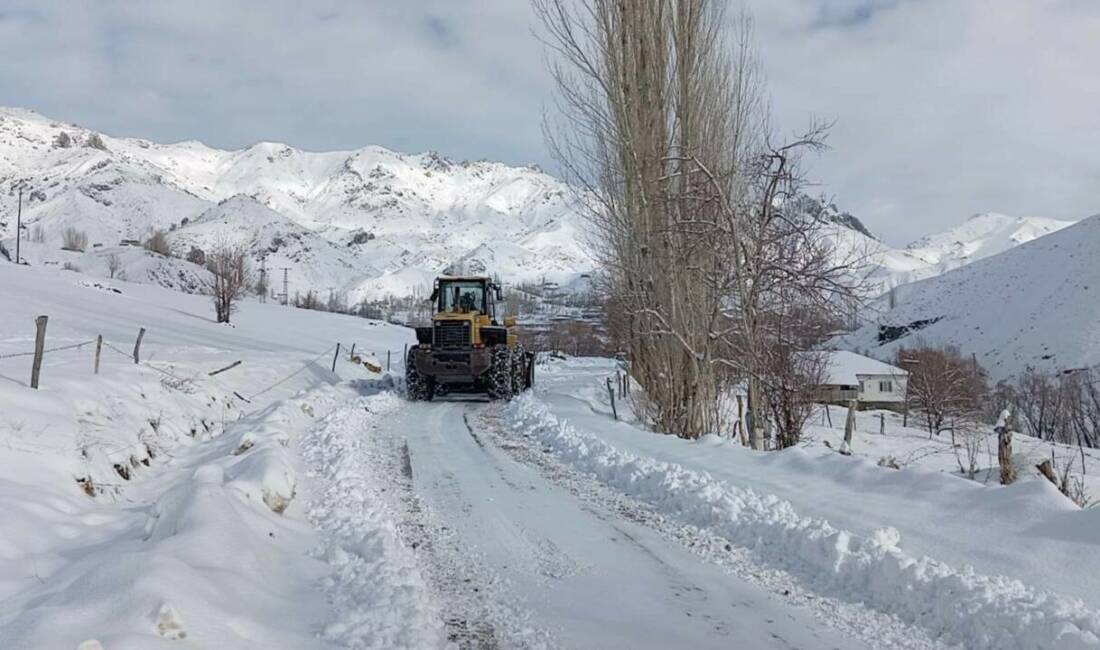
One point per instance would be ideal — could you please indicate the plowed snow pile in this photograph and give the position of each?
(710, 484)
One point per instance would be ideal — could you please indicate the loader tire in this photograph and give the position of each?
(418, 388)
(500, 374)
(529, 370)
(518, 371)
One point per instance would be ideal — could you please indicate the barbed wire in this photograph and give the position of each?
(288, 377)
(58, 348)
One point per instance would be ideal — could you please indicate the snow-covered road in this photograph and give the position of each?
(518, 558)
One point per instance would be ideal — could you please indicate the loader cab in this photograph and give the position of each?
(466, 296)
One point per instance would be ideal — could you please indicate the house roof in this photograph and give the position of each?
(846, 367)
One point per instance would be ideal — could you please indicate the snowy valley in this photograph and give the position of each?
(176, 482)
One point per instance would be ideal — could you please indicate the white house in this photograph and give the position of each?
(851, 376)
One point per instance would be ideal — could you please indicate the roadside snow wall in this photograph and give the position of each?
(959, 605)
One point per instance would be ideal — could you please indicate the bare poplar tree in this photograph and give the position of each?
(664, 131)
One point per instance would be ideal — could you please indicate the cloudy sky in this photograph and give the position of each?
(943, 108)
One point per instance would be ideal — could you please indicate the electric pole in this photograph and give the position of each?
(18, 224)
(263, 280)
(286, 294)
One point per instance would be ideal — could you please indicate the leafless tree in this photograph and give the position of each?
(942, 385)
(114, 264)
(665, 130)
(230, 278)
(309, 300)
(73, 239)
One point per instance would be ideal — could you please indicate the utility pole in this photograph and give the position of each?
(263, 279)
(286, 294)
(18, 224)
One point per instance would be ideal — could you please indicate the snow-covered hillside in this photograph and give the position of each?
(366, 222)
(979, 237)
(1033, 305)
(882, 267)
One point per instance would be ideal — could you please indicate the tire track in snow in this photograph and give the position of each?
(875, 628)
(476, 610)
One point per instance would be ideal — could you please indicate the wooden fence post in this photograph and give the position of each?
(335, 357)
(611, 394)
(39, 345)
(882, 423)
(849, 427)
(98, 350)
(352, 353)
(221, 370)
(741, 422)
(387, 360)
(137, 345)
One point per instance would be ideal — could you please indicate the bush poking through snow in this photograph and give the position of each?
(889, 461)
(158, 243)
(169, 625)
(87, 486)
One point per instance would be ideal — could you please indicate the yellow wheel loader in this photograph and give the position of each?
(466, 348)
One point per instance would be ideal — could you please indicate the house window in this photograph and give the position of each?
(886, 386)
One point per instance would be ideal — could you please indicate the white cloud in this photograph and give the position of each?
(943, 107)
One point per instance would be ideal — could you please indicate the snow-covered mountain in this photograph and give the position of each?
(1036, 304)
(367, 222)
(980, 236)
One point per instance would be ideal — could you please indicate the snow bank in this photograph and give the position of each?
(960, 605)
(211, 560)
(377, 592)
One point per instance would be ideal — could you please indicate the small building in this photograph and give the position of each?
(850, 376)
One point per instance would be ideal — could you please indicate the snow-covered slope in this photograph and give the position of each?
(366, 222)
(882, 267)
(1033, 305)
(979, 237)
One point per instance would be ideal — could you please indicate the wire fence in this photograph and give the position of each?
(370, 357)
(60, 348)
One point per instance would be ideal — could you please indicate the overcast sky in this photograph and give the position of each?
(943, 108)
